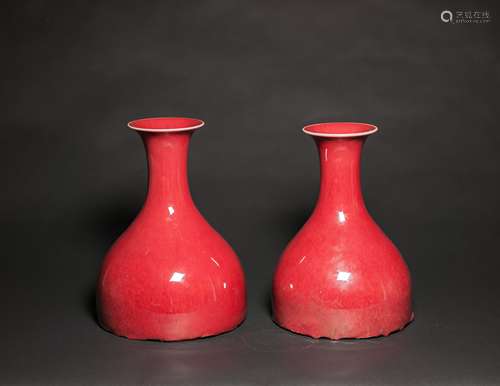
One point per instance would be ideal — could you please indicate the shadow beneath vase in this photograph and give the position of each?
(90, 304)
(267, 302)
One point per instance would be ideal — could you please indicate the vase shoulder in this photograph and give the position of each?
(341, 282)
(186, 268)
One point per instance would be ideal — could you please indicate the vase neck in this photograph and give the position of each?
(168, 186)
(340, 188)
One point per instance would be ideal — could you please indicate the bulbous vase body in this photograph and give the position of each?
(170, 275)
(341, 277)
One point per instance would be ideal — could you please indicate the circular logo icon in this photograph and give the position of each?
(447, 16)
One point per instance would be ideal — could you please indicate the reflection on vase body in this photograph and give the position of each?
(341, 277)
(170, 276)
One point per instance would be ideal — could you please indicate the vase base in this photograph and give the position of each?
(346, 324)
(337, 337)
(173, 338)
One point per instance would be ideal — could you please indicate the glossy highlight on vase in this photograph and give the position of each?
(341, 276)
(170, 275)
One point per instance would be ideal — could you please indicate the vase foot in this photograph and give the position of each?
(346, 324)
(188, 335)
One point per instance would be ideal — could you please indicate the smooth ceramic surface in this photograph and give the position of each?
(170, 276)
(341, 277)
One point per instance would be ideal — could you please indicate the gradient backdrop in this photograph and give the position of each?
(74, 73)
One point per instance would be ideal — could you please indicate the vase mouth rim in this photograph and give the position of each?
(165, 124)
(340, 129)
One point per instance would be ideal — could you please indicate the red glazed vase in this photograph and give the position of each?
(170, 275)
(341, 277)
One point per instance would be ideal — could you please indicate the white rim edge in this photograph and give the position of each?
(187, 128)
(373, 129)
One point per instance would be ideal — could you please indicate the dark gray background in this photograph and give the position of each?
(74, 177)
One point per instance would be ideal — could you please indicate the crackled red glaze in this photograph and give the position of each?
(341, 277)
(170, 275)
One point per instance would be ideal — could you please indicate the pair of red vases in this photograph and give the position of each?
(171, 276)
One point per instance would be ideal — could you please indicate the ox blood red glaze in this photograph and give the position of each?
(170, 275)
(341, 277)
